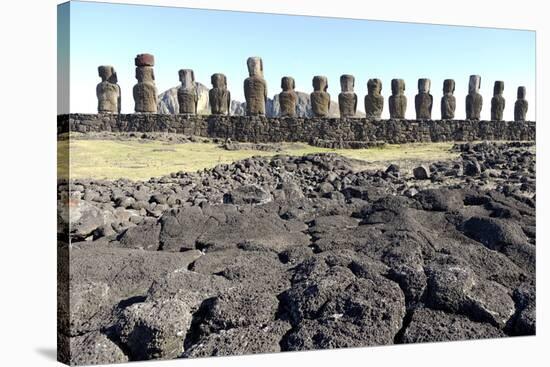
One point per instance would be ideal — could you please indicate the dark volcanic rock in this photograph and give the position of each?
(102, 277)
(239, 341)
(144, 237)
(283, 253)
(248, 194)
(455, 288)
(95, 348)
(334, 308)
(421, 172)
(428, 326)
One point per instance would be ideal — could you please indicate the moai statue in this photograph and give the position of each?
(255, 87)
(288, 97)
(347, 99)
(521, 106)
(374, 101)
(320, 99)
(219, 96)
(474, 100)
(423, 101)
(108, 91)
(145, 91)
(497, 102)
(187, 93)
(448, 101)
(398, 100)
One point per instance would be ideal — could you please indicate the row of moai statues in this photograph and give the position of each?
(255, 91)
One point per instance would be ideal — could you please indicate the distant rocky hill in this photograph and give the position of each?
(168, 103)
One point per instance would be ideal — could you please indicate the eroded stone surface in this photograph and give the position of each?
(288, 97)
(187, 93)
(423, 101)
(320, 99)
(145, 91)
(347, 99)
(374, 101)
(474, 100)
(255, 87)
(448, 101)
(284, 253)
(521, 106)
(498, 102)
(219, 96)
(108, 91)
(398, 100)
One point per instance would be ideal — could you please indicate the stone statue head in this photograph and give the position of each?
(255, 66)
(288, 83)
(105, 72)
(498, 89)
(145, 60)
(448, 86)
(320, 83)
(424, 85)
(521, 92)
(397, 86)
(374, 86)
(347, 82)
(218, 80)
(474, 84)
(145, 74)
(187, 78)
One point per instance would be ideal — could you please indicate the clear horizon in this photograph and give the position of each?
(210, 41)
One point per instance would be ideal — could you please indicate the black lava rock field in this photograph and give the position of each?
(299, 253)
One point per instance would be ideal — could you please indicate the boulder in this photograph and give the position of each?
(421, 172)
(427, 326)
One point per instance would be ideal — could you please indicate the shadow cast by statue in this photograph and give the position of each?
(48, 353)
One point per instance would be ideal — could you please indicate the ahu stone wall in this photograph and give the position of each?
(330, 131)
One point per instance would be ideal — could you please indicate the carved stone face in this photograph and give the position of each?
(218, 80)
(448, 86)
(521, 92)
(255, 66)
(105, 72)
(498, 88)
(288, 83)
(187, 78)
(347, 82)
(397, 86)
(320, 83)
(475, 83)
(145, 74)
(424, 85)
(374, 86)
(144, 60)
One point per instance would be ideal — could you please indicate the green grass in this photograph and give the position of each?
(140, 160)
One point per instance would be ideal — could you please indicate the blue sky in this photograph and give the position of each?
(210, 41)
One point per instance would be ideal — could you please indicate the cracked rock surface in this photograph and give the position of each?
(298, 253)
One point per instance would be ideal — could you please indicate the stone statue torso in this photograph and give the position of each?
(320, 103)
(374, 104)
(145, 96)
(497, 107)
(423, 103)
(520, 110)
(448, 106)
(187, 100)
(255, 90)
(107, 97)
(347, 102)
(398, 106)
(474, 102)
(287, 101)
(219, 101)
